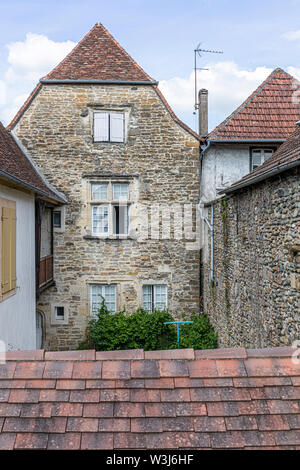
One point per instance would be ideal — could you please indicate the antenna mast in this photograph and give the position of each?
(197, 52)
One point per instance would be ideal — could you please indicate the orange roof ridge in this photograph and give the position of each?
(249, 122)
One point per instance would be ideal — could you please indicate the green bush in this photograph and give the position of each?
(108, 332)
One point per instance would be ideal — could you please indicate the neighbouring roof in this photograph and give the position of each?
(220, 399)
(99, 58)
(16, 167)
(284, 158)
(269, 113)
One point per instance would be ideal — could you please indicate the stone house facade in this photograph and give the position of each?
(100, 130)
(252, 297)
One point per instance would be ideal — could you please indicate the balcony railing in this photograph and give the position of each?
(46, 270)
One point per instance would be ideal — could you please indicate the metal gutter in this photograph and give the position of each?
(245, 141)
(100, 82)
(267, 174)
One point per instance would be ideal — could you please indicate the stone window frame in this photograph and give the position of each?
(94, 108)
(57, 321)
(62, 228)
(102, 283)
(153, 284)
(110, 202)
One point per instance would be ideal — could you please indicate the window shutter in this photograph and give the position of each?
(101, 133)
(116, 127)
(9, 277)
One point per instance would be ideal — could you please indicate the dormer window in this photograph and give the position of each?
(109, 127)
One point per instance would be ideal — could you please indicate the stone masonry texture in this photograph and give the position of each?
(161, 157)
(254, 300)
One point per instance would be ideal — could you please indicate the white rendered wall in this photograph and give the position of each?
(17, 313)
(222, 166)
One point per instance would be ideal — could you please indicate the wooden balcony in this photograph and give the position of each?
(46, 270)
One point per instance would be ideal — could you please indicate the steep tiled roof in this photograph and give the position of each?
(14, 165)
(269, 113)
(287, 154)
(98, 56)
(234, 398)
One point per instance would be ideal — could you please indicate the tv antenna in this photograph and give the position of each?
(197, 53)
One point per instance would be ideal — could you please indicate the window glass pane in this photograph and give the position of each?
(147, 298)
(99, 192)
(98, 292)
(110, 298)
(121, 191)
(267, 154)
(256, 158)
(100, 219)
(160, 297)
(57, 219)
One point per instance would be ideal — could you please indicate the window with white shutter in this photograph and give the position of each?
(101, 127)
(106, 292)
(109, 127)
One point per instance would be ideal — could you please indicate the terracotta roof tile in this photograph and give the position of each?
(98, 56)
(249, 401)
(15, 165)
(270, 112)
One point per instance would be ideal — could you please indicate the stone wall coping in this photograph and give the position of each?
(140, 354)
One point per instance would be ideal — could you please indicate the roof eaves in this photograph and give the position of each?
(55, 81)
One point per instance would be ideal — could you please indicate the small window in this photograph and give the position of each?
(57, 219)
(259, 156)
(109, 127)
(155, 297)
(103, 291)
(59, 313)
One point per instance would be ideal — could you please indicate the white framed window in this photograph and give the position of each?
(155, 297)
(109, 126)
(108, 292)
(259, 156)
(110, 206)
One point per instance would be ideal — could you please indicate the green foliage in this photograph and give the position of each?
(108, 332)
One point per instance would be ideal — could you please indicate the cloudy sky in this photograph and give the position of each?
(161, 35)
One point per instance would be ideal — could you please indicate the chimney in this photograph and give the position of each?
(203, 112)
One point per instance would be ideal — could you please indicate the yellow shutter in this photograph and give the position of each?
(13, 249)
(8, 249)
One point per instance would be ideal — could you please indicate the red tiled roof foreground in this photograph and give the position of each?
(270, 112)
(14, 164)
(228, 398)
(287, 154)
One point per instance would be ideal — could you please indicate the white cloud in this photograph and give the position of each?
(2, 92)
(227, 84)
(35, 57)
(28, 61)
(292, 35)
